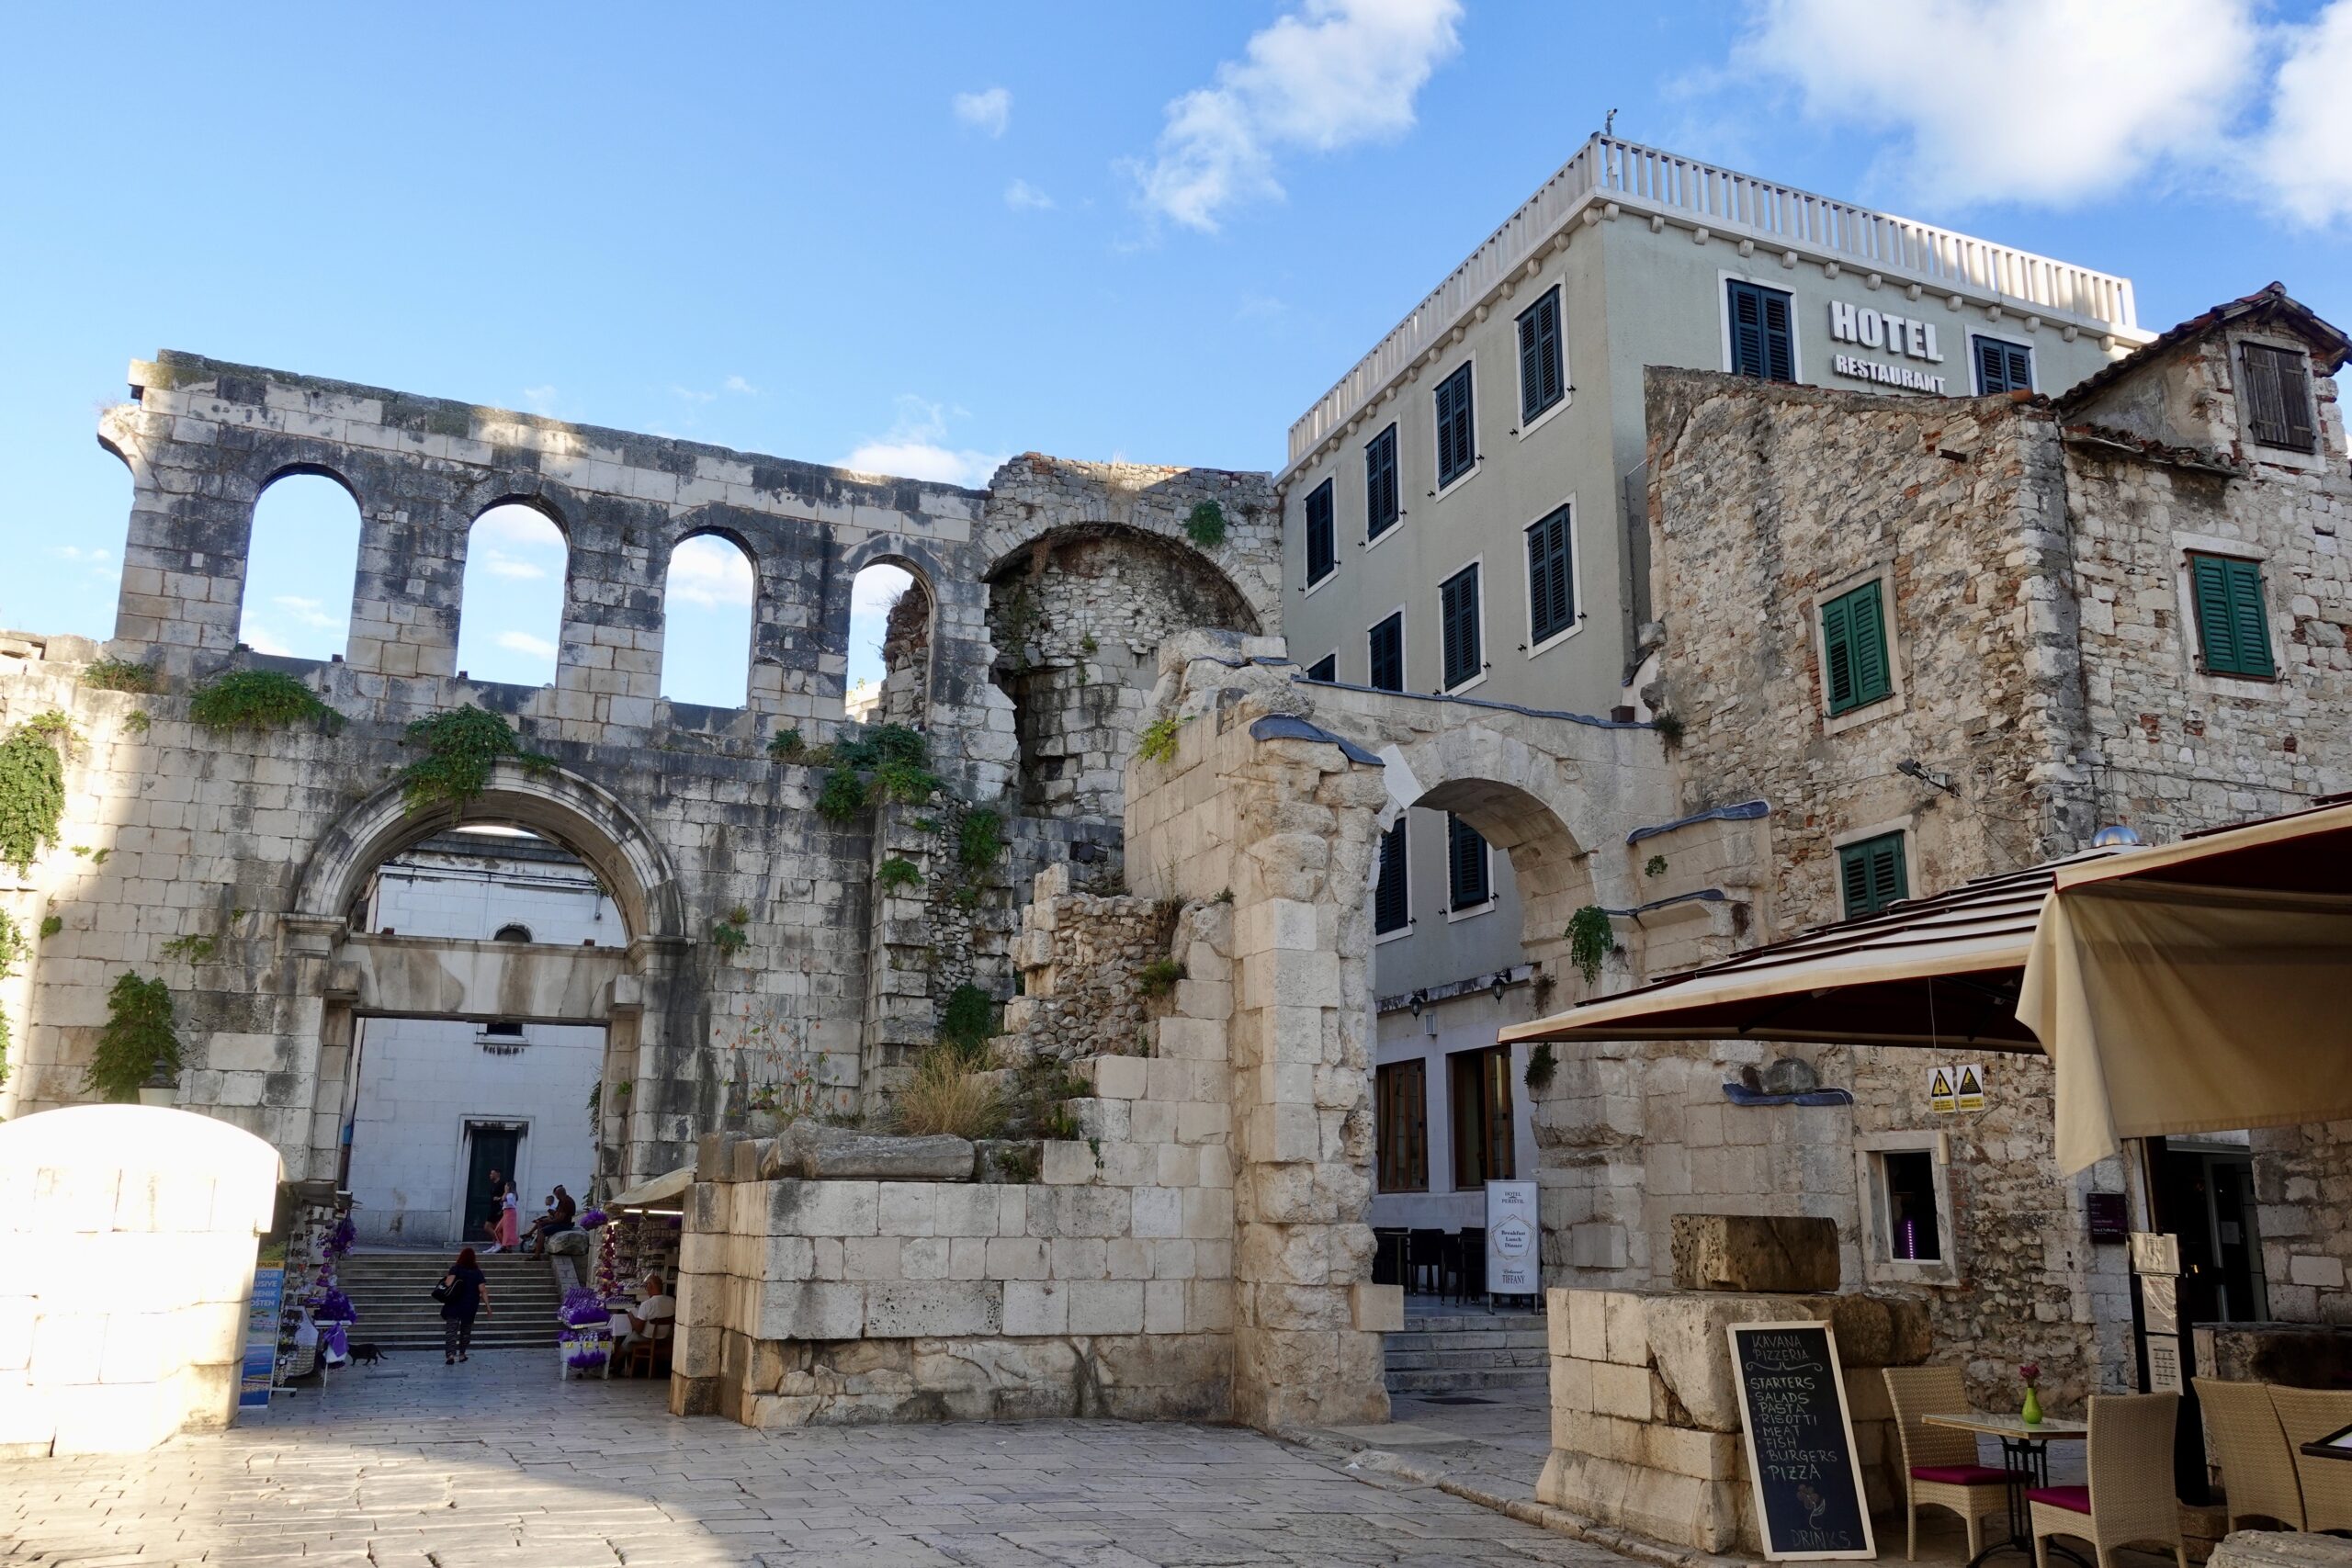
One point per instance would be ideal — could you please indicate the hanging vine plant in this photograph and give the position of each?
(258, 699)
(32, 786)
(138, 1044)
(1589, 940)
(461, 748)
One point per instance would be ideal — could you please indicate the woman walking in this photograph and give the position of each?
(464, 1293)
(502, 1230)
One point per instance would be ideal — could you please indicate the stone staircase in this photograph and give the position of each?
(1461, 1353)
(393, 1292)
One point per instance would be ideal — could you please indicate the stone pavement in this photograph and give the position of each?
(495, 1464)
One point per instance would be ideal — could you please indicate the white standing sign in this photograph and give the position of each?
(1515, 1240)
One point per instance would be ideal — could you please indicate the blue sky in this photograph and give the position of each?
(922, 238)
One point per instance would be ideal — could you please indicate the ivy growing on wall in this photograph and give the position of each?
(461, 748)
(258, 699)
(1205, 526)
(140, 1041)
(32, 786)
(119, 675)
(1158, 743)
(890, 762)
(896, 872)
(979, 838)
(1590, 939)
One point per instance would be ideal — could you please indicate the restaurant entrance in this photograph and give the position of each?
(2205, 1196)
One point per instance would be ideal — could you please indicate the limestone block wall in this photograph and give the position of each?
(1645, 1429)
(2303, 1180)
(1081, 957)
(123, 1319)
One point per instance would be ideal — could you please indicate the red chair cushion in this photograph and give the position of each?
(2077, 1498)
(1961, 1474)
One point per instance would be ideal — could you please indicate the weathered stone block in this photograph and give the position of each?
(819, 1153)
(1754, 1252)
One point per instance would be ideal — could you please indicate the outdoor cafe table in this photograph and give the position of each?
(2025, 1456)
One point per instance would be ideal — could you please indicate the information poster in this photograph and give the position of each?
(260, 1372)
(1800, 1440)
(1514, 1250)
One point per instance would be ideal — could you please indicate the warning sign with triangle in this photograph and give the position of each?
(1970, 1090)
(1940, 1098)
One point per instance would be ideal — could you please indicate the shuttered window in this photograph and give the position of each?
(1457, 438)
(1551, 577)
(1870, 874)
(1543, 373)
(1480, 1091)
(1762, 341)
(1458, 627)
(1403, 1095)
(1467, 885)
(2231, 622)
(1392, 908)
(2003, 366)
(1322, 545)
(1855, 669)
(1380, 508)
(1385, 644)
(2278, 401)
(1324, 669)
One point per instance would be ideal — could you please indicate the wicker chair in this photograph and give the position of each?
(2307, 1414)
(1939, 1468)
(2257, 1465)
(2129, 1499)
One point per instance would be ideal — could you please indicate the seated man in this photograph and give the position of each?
(558, 1218)
(655, 1315)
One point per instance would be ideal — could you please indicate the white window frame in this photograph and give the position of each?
(1331, 654)
(1575, 576)
(1898, 698)
(1722, 313)
(2032, 360)
(1404, 647)
(1479, 679)
(1568, 382)
(1880, 1266)
(1477, 448)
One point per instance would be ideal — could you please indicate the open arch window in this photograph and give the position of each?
(512, 611)
(890, 647)
(300, 566)
(706, 605)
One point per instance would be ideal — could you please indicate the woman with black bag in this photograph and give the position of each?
(463, 1292)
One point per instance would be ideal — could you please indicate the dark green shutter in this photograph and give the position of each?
(1456, 441)
(2232, 622)
(1322, 548)
(1387, 654)
(1390, 904)
(1324, 669)
(1871, 875)
(1856, 670)
(1762, 343)
(1531, 368)
(1779, 341)
(1458, 626)
(1551, 586)
(1467, 885)
(2003, 366)
(1380, 484)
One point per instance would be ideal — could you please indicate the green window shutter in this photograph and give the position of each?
(1856, 670)
(1871, 875)
(1780, 338)
(1531, 366)
(1747, 356)
(2232, 622)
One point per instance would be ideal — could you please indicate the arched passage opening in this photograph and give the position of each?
(1077, 616)
(511, 608)
(300, 564)
(891, 622)
(708, 599)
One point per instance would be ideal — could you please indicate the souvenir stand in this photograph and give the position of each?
(639, 1235)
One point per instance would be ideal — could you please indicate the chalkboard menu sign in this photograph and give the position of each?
(1809, 1498)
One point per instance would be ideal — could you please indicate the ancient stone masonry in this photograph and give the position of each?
(227, 861)
(1083, 957)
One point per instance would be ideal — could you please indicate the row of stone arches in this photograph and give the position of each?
(303, 560)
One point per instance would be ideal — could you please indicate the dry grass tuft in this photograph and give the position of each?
(944, 1096)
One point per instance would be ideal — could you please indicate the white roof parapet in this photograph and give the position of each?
(1621, 176)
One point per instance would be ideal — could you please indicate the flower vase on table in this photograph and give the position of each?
(2031, 1412)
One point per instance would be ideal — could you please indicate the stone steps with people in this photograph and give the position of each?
(393, 1295)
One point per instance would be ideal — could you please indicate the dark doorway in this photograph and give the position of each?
(489, 1147)
(2205, 1195)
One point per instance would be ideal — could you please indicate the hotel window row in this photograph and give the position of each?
(1469, 875)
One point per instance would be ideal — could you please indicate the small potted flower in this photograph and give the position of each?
(585, 1341)
(2030, 1375)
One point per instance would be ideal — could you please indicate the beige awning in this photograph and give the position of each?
(668, 1188)
(2200, 986)
(1939, 971)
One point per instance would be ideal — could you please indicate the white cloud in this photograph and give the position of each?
(308, 611)
(913, 449)
(738, 385)
(519, 527)
(498, 563)
(690, 395)
(2015, 109)
(710, 572)
(524, 643)
(1023, 197)
(877, 589)
(2307, 151)
(261, 639)
(1333, 74)
(541, 399)
(76, 553)
(988, 110)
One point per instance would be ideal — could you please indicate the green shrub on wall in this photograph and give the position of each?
(979, 839)
(1590, 939)
(1205, 526)
(258, 699)
(139, 1042)
(967, 1022)
(32, 786)
(461, 748)
(119, 675)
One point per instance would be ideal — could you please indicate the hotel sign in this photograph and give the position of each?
(1907, 336)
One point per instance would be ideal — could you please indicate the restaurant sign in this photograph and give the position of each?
(1907, 336)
